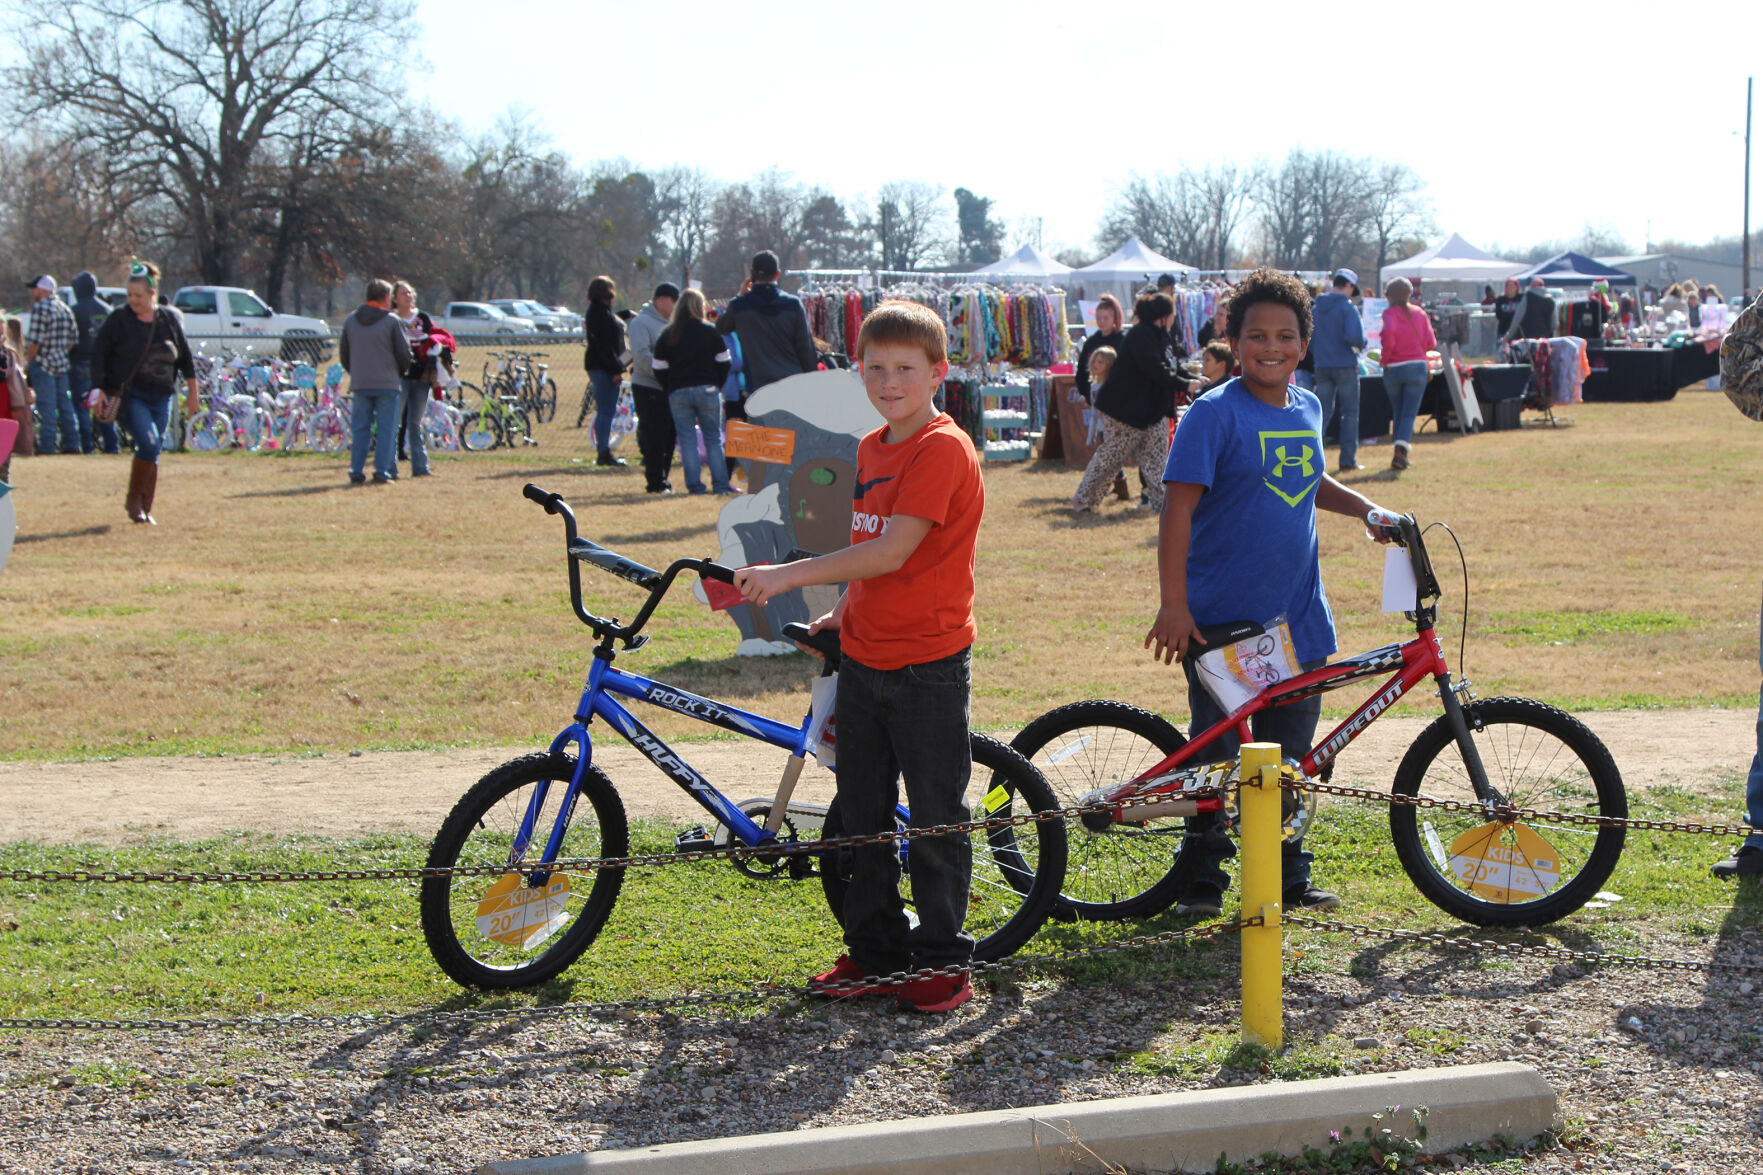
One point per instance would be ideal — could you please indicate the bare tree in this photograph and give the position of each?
(183, 99)
(1224, 192)
(1164, 211)
(1395, 208)
(57, 215)
(910, 225)
(1335, 195)
(686, 197)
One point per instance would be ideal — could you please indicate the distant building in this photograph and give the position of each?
(1661, 269)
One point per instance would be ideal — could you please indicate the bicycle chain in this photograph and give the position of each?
(1438, 938)
(588, 864)
(1507, 813)
(756, 994)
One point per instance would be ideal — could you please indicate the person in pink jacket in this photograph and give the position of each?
(1407, 337)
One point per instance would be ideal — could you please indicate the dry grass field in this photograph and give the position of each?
(1612, 563)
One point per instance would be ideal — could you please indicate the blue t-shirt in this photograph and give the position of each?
(1260, 466)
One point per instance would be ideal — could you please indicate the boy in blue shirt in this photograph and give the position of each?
(1246, 477)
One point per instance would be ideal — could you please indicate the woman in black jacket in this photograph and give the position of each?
(1109, 332)
(1138, 397)
(139, 354)
(692, 362)
(608, 355)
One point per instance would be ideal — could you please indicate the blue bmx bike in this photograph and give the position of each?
(528, 908)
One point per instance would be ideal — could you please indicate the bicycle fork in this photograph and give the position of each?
(1485, 791)
(539, 876)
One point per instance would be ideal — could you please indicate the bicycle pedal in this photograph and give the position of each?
(802, 867)
(696, 839)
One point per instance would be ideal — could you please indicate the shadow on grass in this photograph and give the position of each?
(297, 491)
(51, 536)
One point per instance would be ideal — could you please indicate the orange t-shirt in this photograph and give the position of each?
(924, 611)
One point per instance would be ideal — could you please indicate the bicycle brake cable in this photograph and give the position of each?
(1463, 632)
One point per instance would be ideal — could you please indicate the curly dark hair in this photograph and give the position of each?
(1269, 285)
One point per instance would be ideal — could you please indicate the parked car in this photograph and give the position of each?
(239, 319)
(464, 319)
(574, 321)
(116, 296)
(542, 317)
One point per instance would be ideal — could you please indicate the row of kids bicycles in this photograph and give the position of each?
(1505, 812)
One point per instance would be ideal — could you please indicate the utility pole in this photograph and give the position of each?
(1745, 247)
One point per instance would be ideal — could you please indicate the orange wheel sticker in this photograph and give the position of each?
(518, 915)
(1505, 863)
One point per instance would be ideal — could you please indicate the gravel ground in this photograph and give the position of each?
(1655, 1070)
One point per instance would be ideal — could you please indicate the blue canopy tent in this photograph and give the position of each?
(1574, 269)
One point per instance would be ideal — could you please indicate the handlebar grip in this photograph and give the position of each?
(1379, 517)
(544, 498)
(716, 571)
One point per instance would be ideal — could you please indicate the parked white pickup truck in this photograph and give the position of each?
(480, 318)
(231, 317)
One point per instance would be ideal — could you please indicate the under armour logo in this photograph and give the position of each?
(1302, 461)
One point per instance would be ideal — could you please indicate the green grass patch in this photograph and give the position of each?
(1572, 628)
(156, 950)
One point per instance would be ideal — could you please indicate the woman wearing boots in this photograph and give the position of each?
(140, 353)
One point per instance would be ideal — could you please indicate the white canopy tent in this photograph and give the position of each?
(1132, 262)
(1027, 261)
(1451, 260)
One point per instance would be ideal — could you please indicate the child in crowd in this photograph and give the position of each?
(1101, 363)
(1245, 478)
(1216, 362)
(906, 627)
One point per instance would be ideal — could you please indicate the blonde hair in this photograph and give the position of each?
(1104, 358)
(906, 323)
(14, 332)
(689, 308)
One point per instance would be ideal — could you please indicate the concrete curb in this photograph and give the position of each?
(1166, 1132)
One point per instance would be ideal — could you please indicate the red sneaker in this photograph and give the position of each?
(845, 981)
(935, 993)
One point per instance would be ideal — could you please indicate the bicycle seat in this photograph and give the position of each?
(1217, 636)
(825, 642)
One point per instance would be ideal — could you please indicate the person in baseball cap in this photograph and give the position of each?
(1347, 275)
(42, 284)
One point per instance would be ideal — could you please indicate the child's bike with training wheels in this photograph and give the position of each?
(1465, 826)
(528, 825)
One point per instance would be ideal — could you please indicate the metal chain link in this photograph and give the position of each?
(769, 850)
(1506, 812)
(756, 994)
(1437, 938)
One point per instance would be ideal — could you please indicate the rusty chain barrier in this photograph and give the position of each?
(362, 1021)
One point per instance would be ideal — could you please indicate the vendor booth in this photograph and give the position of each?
(1028, 262)
(1574, 269)
(1124, 272)
(1451, 260)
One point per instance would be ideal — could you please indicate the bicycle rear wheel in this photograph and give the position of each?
(326, 433)
(1498, 873)
(545, 408)
(479, 432)
(1129, 870)
(521, 927)
(1016, 870)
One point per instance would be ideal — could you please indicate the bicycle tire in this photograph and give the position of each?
(325, 432)
(1015, 883)
(545, 408)
(1538, 757)
(480, 831)
(1131, 870)
(208, 432)
(479, 433)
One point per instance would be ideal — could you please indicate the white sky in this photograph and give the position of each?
(1526, 119)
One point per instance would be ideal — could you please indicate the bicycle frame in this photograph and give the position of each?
(1414, 662)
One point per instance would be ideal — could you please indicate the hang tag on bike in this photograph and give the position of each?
(823, 738)
(1237, 672)
(515, 914)
(1505, 863)
(1400, 592)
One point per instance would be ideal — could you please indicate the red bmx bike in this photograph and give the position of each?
(1466, 826)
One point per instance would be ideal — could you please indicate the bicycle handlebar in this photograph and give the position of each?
(657, 582)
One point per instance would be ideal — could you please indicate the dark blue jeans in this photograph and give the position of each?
(60, 429)
(605, 386)
(910, 723)
(148, 414)
(1293, 727)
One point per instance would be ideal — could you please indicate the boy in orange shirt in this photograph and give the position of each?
(905, 630)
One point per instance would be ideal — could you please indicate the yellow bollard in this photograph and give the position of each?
(1258, 804)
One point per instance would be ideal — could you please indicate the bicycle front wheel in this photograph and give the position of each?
(479, 433)
(1494, 872)
(545, 410)
(1017, 869)
(209, 432)
(521, 927)
(1127, 870)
